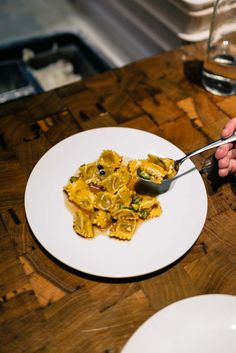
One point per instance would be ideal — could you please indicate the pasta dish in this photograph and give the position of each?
(104, 195)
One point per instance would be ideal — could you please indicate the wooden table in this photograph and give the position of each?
(47, 307)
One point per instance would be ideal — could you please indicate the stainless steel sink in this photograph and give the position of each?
(101, 34)
(45, 63)
(42, 42)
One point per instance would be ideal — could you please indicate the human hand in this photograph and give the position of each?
(226, 154)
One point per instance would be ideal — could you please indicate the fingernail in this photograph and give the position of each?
(225, 133)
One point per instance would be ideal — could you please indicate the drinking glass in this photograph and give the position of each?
(219, 66)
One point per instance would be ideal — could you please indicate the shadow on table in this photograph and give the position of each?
(211, 171)
(193, 71)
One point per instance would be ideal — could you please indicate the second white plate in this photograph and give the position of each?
(201, 324)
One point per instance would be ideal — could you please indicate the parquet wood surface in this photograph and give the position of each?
(46, 307)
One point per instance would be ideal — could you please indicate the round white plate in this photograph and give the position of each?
(156, 243)
(201, 324)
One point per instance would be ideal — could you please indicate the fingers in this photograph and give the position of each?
(222, 151)
(227, 164)
(224, 163)
(229, 128)
(230, 169)
(224, 166)
(223, 172)
(232, 153)
(226, 154)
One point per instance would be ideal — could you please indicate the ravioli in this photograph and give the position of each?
(104, 195)
(154, 168)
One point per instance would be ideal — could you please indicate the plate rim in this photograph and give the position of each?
(157, 316)
(94, 273)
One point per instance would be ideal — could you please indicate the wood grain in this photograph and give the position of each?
(48, 307)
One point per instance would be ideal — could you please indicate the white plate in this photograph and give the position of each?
(157, 242)
(201, 324)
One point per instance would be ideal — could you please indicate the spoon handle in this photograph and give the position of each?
(213, 145)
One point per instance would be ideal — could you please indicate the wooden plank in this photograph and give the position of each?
(45, 306)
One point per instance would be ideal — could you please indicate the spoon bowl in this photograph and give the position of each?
(147, 186)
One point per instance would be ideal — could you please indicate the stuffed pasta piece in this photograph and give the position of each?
(105, 198)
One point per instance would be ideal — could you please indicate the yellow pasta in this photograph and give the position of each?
(105, 198)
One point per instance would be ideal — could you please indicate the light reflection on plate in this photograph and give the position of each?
(156, 243)
(205, 323)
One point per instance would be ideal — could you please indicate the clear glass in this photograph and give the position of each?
(219, 67)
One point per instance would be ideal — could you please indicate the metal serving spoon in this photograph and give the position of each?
(150, 187)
